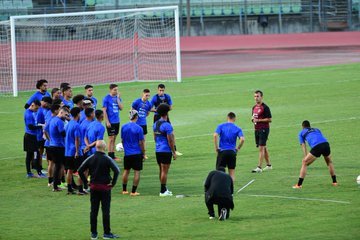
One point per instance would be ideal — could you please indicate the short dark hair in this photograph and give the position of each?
(65, 88)
(40, 82)
(88, 86)
(57, 101)
(306, 124)
(161, 85)
(221, 169)
(64, 84)
(37, 103)
(113, 85)
(66, 108)
(89, 111)
(75, 111)
(78, 98)
(47, 99)
(54, 90)
(146, 90)
(259, 91)
(55, 107)
(98, 113)
(231, 115)
(163, 109)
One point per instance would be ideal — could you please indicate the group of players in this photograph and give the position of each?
(68, 128)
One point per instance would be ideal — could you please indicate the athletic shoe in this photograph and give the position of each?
(50, 184)
(296, 186)
(267, 168)
(212, 217)
(223, 213)
(167, 193)
(41, 175)
(94, 236)
(134, 194)
(81, 193)
(57, 190)
(125, 192)
(178, 153)
(335, 184)
(71, 192)
(30, 175)
(257, 170)
(63, 186)
(110, 236)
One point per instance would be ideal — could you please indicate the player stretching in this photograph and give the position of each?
(226, 152)
(112, 104)
(319, 146)
(261, 117)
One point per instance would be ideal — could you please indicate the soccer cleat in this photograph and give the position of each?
(211, 217)
(178, 153)
(57, 190)
(50, 184)
(125, 192)
(335, 184)
(167, 193)
(30, 175)
(257, 170)
(296, 186)
(110, 236)
(134, 194)
(41, 175)
(267, 168)
(81, 193)
(94, 236)
(223, 213)
(63, 186)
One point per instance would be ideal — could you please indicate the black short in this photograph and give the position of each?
(49, 153)
(163, 157)
(133, 162)
(157, 117)
(226, 158)
(321, 149)
(58, 155)
(30, 143)
(261, 136)
(41, 143)
(113, 130)
(69, 163)
(144, 127)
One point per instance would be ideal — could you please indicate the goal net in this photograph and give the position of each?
(94, 48)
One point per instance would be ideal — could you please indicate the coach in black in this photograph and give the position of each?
(218, 190)
(101, 183)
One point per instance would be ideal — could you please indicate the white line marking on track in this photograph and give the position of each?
(299, 198)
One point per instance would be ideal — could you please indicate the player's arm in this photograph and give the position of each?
(107, 122)
(304, 150)
(84, 166)
(241, 143)
(119, 102)
(263, 120)
(216, 142)
(171, 141)
(142, 147)
(77, 146)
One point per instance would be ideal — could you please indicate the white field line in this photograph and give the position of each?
(299, 198)
(245, 186)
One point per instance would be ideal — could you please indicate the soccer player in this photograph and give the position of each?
(30, 138)
(226, 149)
(78, 101)
(42, 85)
(90, 115)
(165, 146)
(261, 117)
(66, 96)
(55, 93)
(143, 107)
(219, 188)
(101, 183)
(57, 144)
(87, 103)
(89, 92)
(72, 147)
(112, 104)
(94, 132)
(134, 148)
(319, 146)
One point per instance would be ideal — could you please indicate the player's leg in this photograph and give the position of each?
(258, 169)
(309, 159)
(264, 134)
(125, 178)
(210, 207)
(163, 177)
(326, 152)
(95, 198)
(105, 207)
(231, 163)
(137, 166)
(165, 161)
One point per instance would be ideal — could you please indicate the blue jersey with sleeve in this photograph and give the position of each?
(94, 101)
(37, 96)
(95, 131)
(112, 108)
(40, 118)
(72, 132)
(131, 135)
(83, 126)
(48, 119)
(82, 116)
(157, 100)
(311, 135)
(56, 129)
(29, 119)
(228, 133)
(143, 108)
(161, 130)
(69, 103)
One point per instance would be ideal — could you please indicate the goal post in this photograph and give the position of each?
(96, 47)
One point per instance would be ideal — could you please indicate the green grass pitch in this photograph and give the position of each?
(267, 209)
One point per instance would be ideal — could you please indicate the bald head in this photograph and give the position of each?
(100, 146)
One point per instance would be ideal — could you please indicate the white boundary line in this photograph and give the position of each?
(299, 198)
(245, 185)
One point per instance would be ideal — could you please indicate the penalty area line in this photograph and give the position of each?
(299, 198)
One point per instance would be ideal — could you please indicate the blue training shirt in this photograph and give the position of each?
(131, 135)
(143, 108)
(37, 96)
(48, 119)
(311, 135)
(29, 119)
(94, 101)
(156, 100)
(161, 141)
(83, 126)
(40, 118)
(56, 128)
(228, 133)
(72, 132)
(69, 103)
(112, 108)
(95, 131)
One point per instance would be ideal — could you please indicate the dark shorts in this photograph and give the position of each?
(30, 143)
(261, 136)
(133, 162)
(144, 127)
(58, 155)
(69, 163)
(49, 153)
(163, 157)
(321, 149)
(41, 143)
(113, 130)
(226, 158)
(157, 117)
